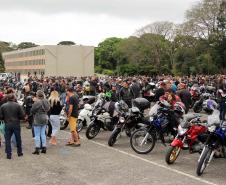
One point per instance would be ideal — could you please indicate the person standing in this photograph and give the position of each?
(11, 112)
(184, 95)
(126, 94)
(55, 109)
(40, 109)
(72, 116)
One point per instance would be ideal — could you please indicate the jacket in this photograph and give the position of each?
(11, 112)
(40, 109)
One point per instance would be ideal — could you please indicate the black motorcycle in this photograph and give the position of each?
(129, 119)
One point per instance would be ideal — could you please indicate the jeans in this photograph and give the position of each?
(222, 110)
(40, 136)
(9, 131)
(55, 122)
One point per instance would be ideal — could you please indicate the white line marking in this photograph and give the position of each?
(151, 162)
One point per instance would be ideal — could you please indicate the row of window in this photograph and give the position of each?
(25, 54)
(26, 71)
(25, 63)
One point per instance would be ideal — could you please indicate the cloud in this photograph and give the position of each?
(129, 9)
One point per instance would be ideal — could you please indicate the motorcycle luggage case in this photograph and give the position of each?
(141, 103)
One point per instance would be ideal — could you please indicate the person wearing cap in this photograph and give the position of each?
(11, 112)
(40, 109)
(72, 115)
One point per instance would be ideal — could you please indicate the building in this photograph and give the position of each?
(50, 60)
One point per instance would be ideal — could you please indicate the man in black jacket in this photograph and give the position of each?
(11, 112)
(126, 94)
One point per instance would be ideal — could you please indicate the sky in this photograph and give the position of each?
(86, 22)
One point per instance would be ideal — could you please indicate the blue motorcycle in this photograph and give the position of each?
(143, 140)
(215, 143)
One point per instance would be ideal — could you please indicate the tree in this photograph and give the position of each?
(67, 43)
(24, 45)
(202, 18)
(4, 46)
(164, 28)
(105, 54)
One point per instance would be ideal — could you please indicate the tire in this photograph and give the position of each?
(203, 161)
(197, 109)
(63, 125)
(140, 135)
(173, 150)
(113, 138)
(92, 130)
(79, 125)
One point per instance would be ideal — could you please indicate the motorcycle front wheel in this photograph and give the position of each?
(172, 154)
(63, 124)
(203, 161)
(92, 130)
(142, 142)
(113, 138)
(79, 125)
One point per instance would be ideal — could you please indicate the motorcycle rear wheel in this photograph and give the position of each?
(92, 130)
(203, 161)
(172, 153)
(138, 138)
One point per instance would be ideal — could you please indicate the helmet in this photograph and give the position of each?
(209, 106)
(179, 107)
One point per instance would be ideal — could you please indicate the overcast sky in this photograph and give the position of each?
(86, 22)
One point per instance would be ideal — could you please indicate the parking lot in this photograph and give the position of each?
(94, 163)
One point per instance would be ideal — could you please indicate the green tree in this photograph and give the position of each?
(67, 43)
(4, 46)
(106, 54)
(24, 45)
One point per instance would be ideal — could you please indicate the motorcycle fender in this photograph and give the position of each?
(177, 142)
(81, 118)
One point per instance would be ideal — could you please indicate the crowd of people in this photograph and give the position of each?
(44, 98)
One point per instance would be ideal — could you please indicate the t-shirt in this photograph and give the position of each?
(74, 101)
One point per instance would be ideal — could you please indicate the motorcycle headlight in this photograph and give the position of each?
(212, 128)
(151, 119)
(121, 119)
(181, 131)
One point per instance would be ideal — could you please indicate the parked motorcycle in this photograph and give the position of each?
(201, 104)
(63, 115)
(129, 119)
(215, 144)
(188, 132)
(100, 118)
(163, 122)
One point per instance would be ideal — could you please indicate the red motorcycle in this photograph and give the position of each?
(186, 135)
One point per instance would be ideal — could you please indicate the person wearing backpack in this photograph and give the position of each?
(40, 110)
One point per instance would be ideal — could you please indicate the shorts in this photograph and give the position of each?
(72, 124)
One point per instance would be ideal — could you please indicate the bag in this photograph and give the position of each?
(2, 128)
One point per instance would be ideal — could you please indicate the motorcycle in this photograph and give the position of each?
(63, 115)
(188, 132)
(100, 118)
(162, 122)
(202, 102)
(128, 121)
(214, 146)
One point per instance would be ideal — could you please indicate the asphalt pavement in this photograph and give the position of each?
(95, 163)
